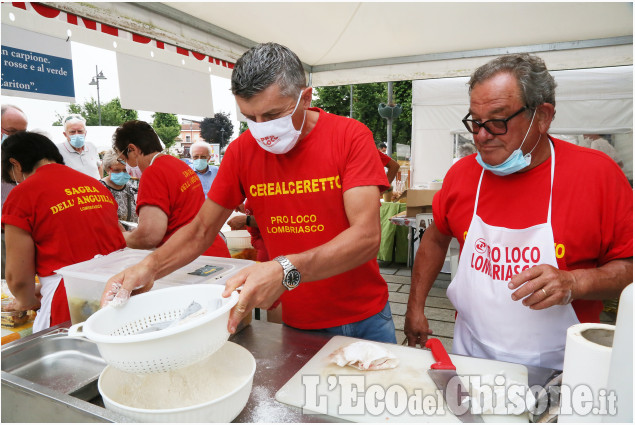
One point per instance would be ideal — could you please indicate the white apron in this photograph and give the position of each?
(49, 286)
(489, 323)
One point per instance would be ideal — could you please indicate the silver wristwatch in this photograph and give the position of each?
(291, 278)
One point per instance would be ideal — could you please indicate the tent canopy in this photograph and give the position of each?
(588, 101)
(358, 42)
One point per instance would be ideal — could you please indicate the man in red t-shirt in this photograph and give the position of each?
(170, 193)
(545, 227)
(312, 180)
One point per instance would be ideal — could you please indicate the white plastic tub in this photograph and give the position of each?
(85, 282)
(214, 390)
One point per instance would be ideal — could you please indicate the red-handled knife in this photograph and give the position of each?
(443, 373)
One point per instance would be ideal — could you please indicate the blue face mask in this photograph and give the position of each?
(120, 179)
(77, 140)
(4, 137)
(516, 161)
(200, 164)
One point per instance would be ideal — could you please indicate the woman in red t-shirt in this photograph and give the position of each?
(170, 193)
(53, 218)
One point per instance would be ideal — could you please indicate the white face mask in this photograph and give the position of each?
(277, 136)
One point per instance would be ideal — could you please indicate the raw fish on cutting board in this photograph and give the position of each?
(411, 375)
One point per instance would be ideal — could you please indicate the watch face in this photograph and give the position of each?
(293, 279)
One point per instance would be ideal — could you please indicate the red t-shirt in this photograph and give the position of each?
(592, 209)
(173, 186)
(70, 216)
(297, 199)
(385, 159)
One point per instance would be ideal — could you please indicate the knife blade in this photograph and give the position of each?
(443, 373)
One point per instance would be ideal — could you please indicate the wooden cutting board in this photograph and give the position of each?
(410, 380)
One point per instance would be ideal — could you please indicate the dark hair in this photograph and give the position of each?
(537, 85)
(138, 133)
(28, 149)
(383, 145)
(267, 64)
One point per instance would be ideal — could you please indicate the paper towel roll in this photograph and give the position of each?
(621, 371)
(587, 358)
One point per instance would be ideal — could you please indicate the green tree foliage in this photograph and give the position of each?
(212, 129)
(167, 127)
(112, 113)
(162, 119)
(366, 99)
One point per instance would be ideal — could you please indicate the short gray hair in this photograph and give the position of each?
(267, 64)
(537, 85)
(73, 119)
(201, 145)
(110, 159)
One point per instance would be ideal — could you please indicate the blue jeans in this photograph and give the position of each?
(378, 327)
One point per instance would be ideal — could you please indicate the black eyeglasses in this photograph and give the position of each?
(494, 127)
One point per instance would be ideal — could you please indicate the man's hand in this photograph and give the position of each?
(416, 327)
(133, 280)
(261, 287)
(238, 222)
(543, 286)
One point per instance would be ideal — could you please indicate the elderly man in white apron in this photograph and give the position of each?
(534, 238)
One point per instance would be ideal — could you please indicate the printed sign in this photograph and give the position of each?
(36, 66)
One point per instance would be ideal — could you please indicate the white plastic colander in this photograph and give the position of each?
(115, 330)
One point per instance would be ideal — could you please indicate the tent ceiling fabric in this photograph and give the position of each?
(356, 42)
(331, 33)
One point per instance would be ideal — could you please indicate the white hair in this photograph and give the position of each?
(73, 119)
(201, 145)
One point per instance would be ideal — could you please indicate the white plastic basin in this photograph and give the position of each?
(215, 389)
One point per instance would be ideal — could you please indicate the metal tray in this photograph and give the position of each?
(58, 362)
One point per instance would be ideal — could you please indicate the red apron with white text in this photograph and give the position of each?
(489, 324)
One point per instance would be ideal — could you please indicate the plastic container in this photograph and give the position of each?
(214, 390)
(117, 331)
(85, 282)
(239, 245)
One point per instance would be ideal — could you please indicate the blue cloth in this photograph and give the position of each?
(206, 178)
(379, 327)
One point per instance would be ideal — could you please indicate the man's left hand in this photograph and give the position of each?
(261, 287)
(542, 286)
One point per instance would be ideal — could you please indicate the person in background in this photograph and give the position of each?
(382, 147)
(169, 195)
(597, 142)
(201, 153)
(13, 120)
(79, 154)
(117, 180)
(53, 218)
(313, 181)
(545, 227)
(247, 221)
(392, 168)
(465, 149)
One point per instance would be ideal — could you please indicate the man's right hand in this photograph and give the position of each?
(416, 328)
(132, 281)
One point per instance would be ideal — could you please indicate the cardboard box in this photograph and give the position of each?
(420, 197)
(413, 211)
